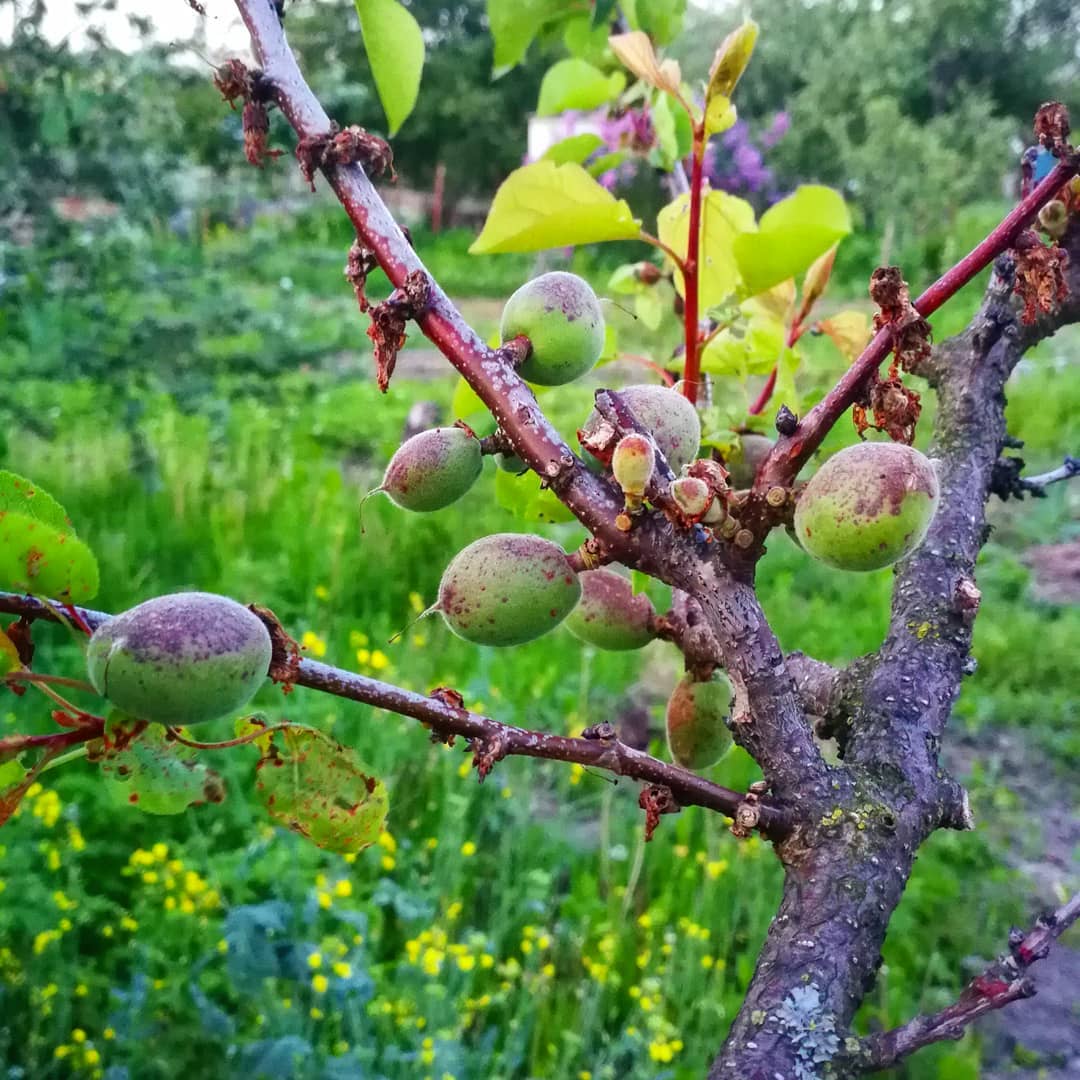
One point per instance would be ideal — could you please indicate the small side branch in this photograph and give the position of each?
(1003, 982)
(441, 713)
(1066, 471)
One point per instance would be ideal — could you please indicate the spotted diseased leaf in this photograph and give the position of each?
(144, 768)
(25, 497)
(320, 789)
(37, 557)
(544, 205)
(14, 782)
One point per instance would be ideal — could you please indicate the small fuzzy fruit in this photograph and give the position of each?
(510, 463)
(180, 659)
(507, 589)
(691, 495)
(433, 469)
(561, 317)
(747, 458)
(696, 712)
(632, 464)
(867, 506)
(667, 416)
(609, 615)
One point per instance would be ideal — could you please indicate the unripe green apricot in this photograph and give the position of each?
(696, 713)
(433, 469)
(560, 315)
(668, 416)
(507, 589)
(609, 615)
(867, 506)
(180, 659)
(747, 458)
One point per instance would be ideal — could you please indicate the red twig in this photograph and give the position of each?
(791, 452)
(691, 268)
(1001, 983)
(443, 716)
(762, 399)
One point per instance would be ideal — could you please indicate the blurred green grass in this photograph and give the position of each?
(518, 929)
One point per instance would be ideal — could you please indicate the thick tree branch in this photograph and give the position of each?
(791, 452)
(1002, 983)
(487, 737)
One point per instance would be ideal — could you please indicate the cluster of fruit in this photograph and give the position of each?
(192, 657)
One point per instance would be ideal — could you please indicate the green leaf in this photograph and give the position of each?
(649, 308)
(321, 790)
(14, 782)
(639, 582)
(720, 114)
(730, 60)
(576, 84)
(11, 775)
(514, 24)
(790, 236)
(38, 558)
(723, 218)
(394, 44)
(465, 402)
(545, 205)
(25, 497)
(523, 497)
(576, 148)
(602, 10)
(624, 280)
(9, 656)
(606, 162)
(145, 769)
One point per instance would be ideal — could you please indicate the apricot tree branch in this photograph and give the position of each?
(1065, 471)
(792, 451)
(443, 715)
(1002, 983)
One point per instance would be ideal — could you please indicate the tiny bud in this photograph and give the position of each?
(623, 522)
(1054, 219)
(648, 273)
(691, 495)
(776, 497)
(744, 538)
(716, 513)
(786, 421)
(632, 463)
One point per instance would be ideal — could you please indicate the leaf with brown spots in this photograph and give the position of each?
(14, 782)
(36, 557)
(144, 768)
(320, 789)
(1040, 276)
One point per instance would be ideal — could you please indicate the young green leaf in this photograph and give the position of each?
(395, 48)
(544, 205)
(523, 497)
(146, 769)
(723, 218)
(514, 24)
(720, 114)
(576, 148)
(465, 404)
(25, 497)
(730, 60)
(790, 236)
(576, 84)
(36, 557)
(321, 790)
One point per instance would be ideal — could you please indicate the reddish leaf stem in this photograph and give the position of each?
(691, 268)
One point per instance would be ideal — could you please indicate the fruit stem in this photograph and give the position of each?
(240, 740)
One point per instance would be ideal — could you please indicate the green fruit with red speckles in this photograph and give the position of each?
(665, 414)
(433, 469)
(561, 317)
(610, 615)
(180, 659)
(867, 506)
(696, 718)
(507, 589)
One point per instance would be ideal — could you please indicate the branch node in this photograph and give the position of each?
(602, 732)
